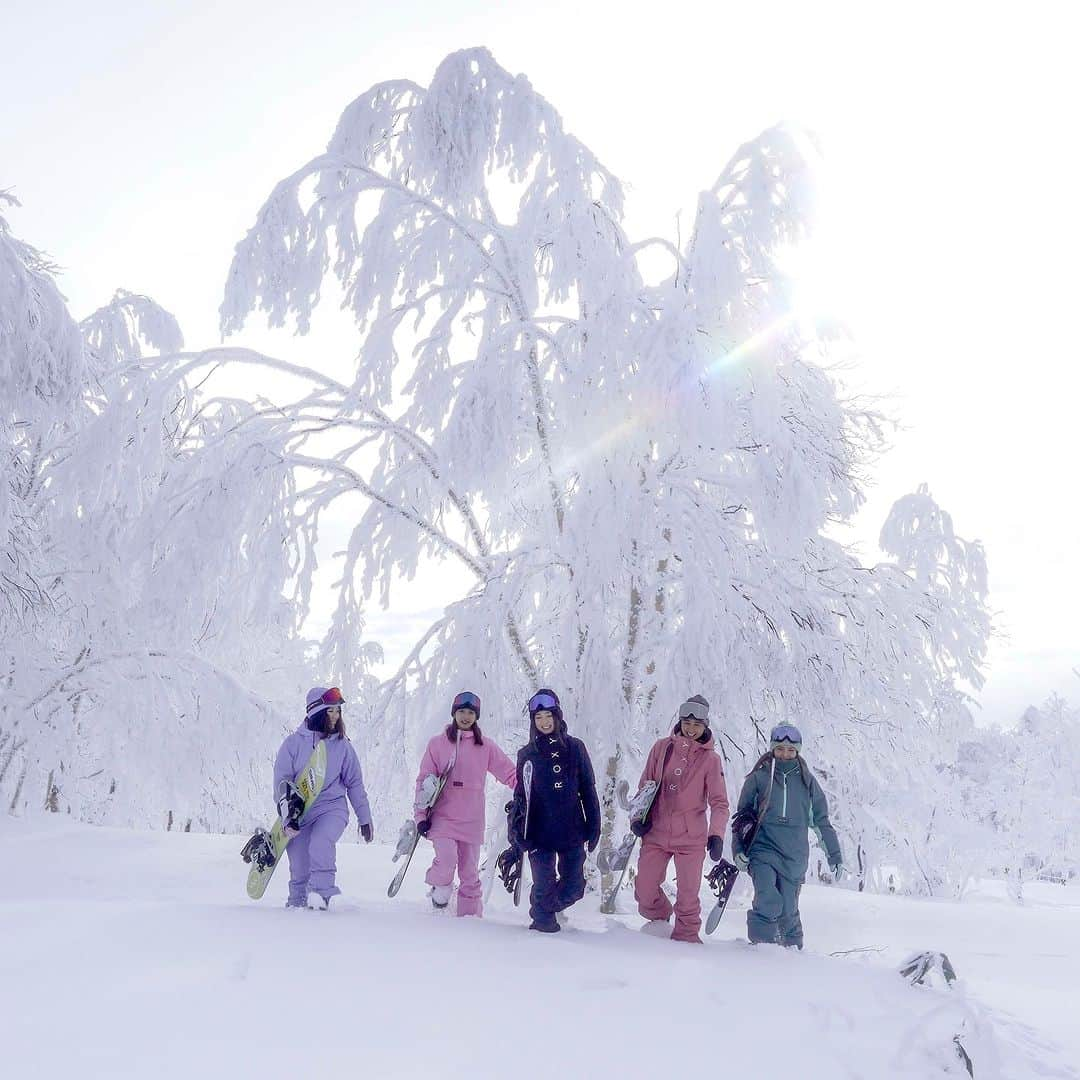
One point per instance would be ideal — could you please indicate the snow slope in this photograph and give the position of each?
(132, 954)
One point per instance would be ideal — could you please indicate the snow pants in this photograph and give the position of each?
(313, 857)
(651, 899)
(774, 917)
(558, 882)
(451, 855)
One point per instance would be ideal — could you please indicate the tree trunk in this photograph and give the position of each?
(608, 810)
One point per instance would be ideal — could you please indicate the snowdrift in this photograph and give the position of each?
(133, 954)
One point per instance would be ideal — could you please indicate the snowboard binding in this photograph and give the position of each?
(406, 840)
(721, 877)
(509, 863)
(290, 805)
(610, 860)
(259, 850)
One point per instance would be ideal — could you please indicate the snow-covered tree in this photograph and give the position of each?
(638, 477)
(147, 648)
(1021, 791)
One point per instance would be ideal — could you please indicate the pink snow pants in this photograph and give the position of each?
(451, 855)
(654, 904)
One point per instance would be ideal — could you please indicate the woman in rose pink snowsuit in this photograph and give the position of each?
(455, 825)
(691, 780)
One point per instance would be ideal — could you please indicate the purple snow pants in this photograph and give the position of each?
(313, 857)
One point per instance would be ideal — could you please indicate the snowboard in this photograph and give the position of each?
(526, 779)
(265, 848)
(408, 838)
(618, 859)
(721, 879)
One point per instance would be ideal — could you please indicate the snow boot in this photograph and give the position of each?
(318, 902)
(657, 928)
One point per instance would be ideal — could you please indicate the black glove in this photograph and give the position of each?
(509, 863)
(592, 842)
(423, 826)
(367, 832)
(716, 848)
(640, 828)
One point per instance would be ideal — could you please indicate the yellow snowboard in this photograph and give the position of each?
(265, 848)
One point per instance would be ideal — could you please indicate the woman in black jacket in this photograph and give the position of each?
(556, 813)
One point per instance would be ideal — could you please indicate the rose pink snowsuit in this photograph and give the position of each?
(693, 779)
(457, 821)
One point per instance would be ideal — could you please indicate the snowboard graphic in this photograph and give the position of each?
(265, 848)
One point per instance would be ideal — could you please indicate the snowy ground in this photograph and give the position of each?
(129, 954)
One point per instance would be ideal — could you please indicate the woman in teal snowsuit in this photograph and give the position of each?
(780, 852)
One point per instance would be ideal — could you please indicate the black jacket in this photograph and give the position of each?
(563, 808)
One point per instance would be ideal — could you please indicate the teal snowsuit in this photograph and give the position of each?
(780, 852)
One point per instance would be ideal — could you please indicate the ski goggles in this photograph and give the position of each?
(694, 710)
(543, 700)
(466, 700)
(328, 699)
(785, 733)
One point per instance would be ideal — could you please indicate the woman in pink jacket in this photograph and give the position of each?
(455, 825)
(691, 779)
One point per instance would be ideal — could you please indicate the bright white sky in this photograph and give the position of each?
(141, 139)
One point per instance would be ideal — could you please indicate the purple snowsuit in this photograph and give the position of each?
(312, 855)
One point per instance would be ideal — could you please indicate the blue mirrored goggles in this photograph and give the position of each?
(466, 700)
(542, 701)
(786, 733)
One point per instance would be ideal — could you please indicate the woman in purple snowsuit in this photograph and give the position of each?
(312, 850)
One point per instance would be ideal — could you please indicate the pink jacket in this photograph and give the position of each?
(459, 813)
(693, 779)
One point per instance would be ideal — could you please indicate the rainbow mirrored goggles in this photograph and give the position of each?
(332, 697)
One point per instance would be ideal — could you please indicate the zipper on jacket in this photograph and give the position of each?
(783, 809)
